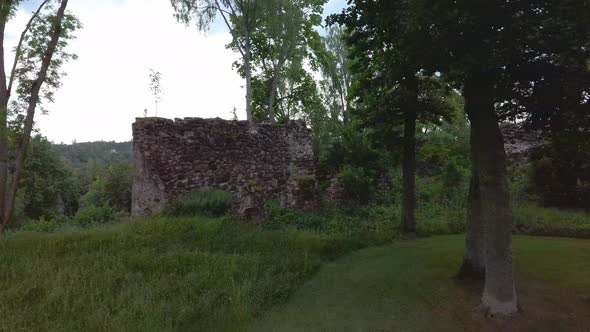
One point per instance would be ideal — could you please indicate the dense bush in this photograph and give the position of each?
(112, 188)
(560, 173)
(454, 174)
(48, 188)
(352, 149)
(86, 217)
(535, 220)
(42, 226)
(211, 203)
(358, 185)
(91, 215)
(442, 145)
(371, 225)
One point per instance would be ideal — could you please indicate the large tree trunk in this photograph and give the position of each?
(499, 296)
(3, 118)
(30, 117)
(3, 157)
(409, 174)
(474, 259)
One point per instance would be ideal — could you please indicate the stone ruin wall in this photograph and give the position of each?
(176, 157)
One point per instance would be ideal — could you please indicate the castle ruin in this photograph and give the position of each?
(176, 157)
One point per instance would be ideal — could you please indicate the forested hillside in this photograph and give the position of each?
(88, 156)
(61, 180)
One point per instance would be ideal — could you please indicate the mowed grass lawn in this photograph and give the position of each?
(410, 286)
(214, 275)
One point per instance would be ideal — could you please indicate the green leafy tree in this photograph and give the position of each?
(284, 40)
(335, 70)
(496, 52)
(392, 86)
(553, 93)
(48, 187)
(112, 188)
(241, 17)
(39, 55)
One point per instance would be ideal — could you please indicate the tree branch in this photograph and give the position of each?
(231, 30)
(20, 44)
(3, 20)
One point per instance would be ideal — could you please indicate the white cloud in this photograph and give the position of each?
(108, 86)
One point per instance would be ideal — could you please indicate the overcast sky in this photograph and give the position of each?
(107, 87)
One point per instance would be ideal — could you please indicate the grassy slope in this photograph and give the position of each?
(409, 286)
(201, 274)
(155, 275)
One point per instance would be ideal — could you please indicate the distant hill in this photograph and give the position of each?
(86, 158)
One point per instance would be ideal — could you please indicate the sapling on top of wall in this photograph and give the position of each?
(156, 88)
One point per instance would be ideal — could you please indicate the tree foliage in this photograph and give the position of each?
(241, 17)
(335, 70)
(36, 71)
(111, 188)
(48, 187)
(285, 42)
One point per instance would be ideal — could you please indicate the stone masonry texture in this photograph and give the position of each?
(176, 157)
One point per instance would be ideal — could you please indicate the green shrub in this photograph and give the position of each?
(211, 203)
(369, 225)
(432, 157)
(280, 218)
(43, 225)
(353, 148)
(112, 188)
(453, 174)
(535, 220)
(94, 215)
(441, 217)
(357, 184)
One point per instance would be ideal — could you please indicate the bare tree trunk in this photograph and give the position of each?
(30, 117)
(248, 69)
(474, 259)
(499, 296)
(344, 109)
(273, 92)
(409, 173)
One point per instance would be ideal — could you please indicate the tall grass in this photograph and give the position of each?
(155, 275)
(211, 203)
(203, 274)
(535, 220)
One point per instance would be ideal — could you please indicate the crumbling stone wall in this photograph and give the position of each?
(176, 157)
(520, 143)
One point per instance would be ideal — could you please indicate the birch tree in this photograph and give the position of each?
(285, 41)
(336, 72)
(156, 88)
(241, 17)
(34, 76)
